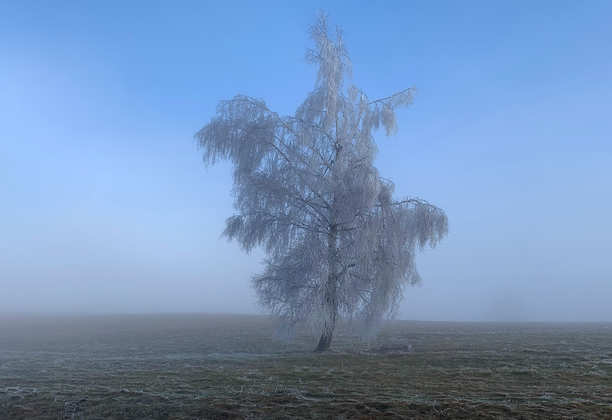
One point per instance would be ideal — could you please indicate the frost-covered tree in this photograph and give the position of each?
(338, 243)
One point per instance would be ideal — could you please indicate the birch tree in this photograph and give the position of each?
(337, 242)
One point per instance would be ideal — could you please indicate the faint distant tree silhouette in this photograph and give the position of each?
(305, 189)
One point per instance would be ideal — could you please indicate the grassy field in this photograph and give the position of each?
(227, 367)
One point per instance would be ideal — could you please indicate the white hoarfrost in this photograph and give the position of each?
(338, 244)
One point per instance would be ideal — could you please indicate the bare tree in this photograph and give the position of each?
(306, 190)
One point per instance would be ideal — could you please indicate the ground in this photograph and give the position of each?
(227, 367)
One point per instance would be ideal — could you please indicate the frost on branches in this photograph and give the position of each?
(338, 243)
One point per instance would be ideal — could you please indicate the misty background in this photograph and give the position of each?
(106, 207)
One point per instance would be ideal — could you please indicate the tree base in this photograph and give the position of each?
(324, 344)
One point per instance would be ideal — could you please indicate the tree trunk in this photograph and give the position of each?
(330, 304)
(325, 341)
(330, 300)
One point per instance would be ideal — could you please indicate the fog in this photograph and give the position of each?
(105, 206)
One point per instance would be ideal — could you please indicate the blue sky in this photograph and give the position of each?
(105, 206)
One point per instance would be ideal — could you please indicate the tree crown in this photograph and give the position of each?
(305, 188)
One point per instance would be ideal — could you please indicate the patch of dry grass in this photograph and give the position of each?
(226, 367)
